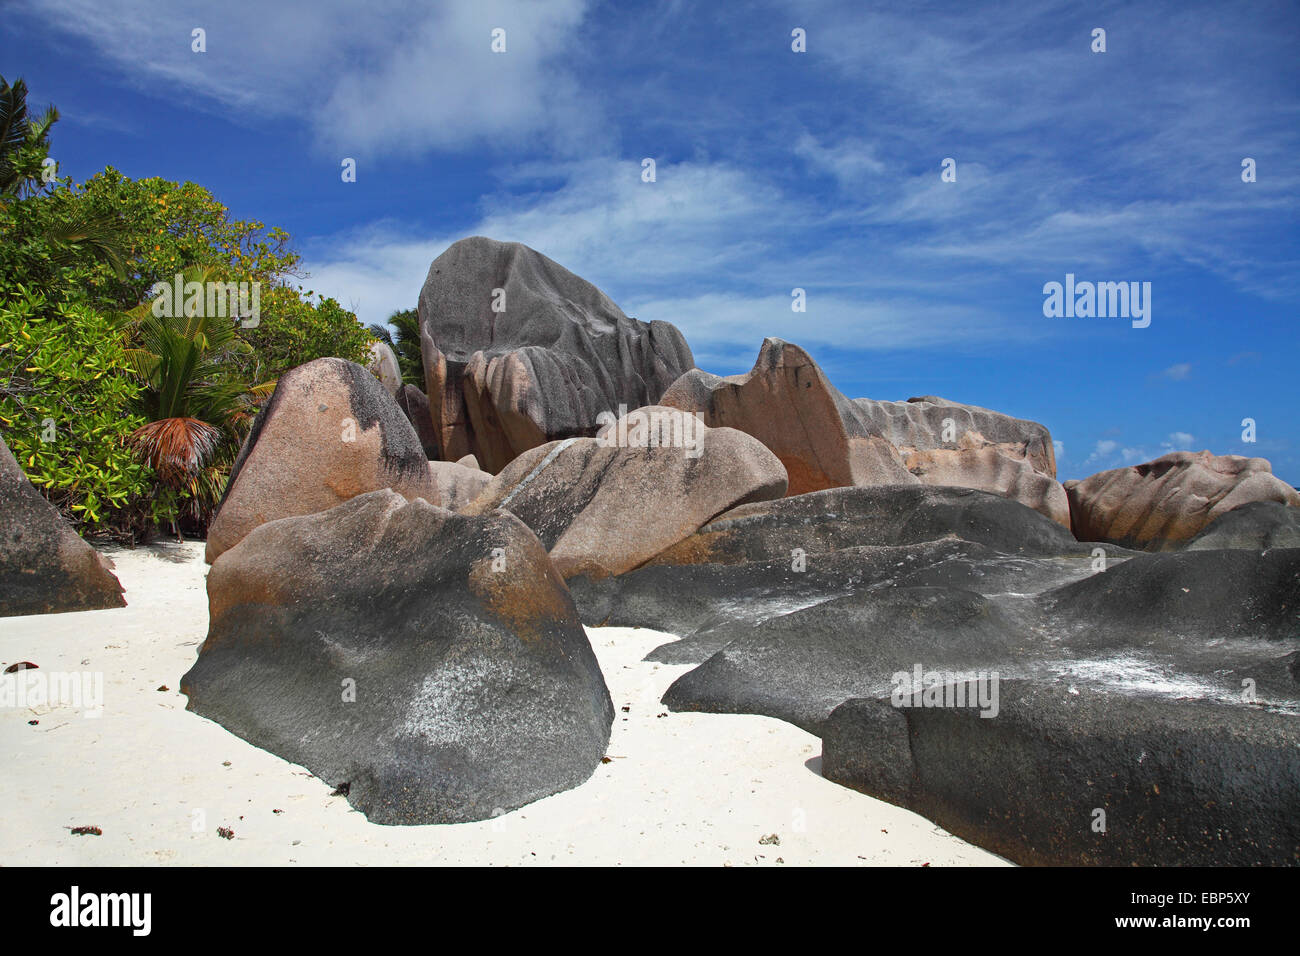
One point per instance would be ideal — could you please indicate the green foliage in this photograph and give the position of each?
(402, 332)
(196, 406)
(24, 140)
(294, 330)
(148, 413)
(158, 228)
(62, 378)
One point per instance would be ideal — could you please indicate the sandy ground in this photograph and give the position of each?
(698, 789)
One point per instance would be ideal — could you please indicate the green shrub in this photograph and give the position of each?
(66, 405)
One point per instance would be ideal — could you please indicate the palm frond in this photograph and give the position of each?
(176, 448)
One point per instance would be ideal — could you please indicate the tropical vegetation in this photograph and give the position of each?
(127, 416)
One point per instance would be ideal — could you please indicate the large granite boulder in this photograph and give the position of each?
(603, 506)
(824, 440)
(1256, 525)
(415, 406)
(457, 484)
(329, 433)
(1068, 775)
(885, 515)
(518, 351)
(989, 469)
(788, 403)
(930, 423)
(770, 559)
(1162, 504)
(45, 566)
(383, 365)
(1193, 624)
(431, 666)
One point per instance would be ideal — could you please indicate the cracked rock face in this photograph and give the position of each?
(45, 566)
(518, 351)
(433, 663)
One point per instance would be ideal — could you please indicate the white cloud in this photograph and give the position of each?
(1101, 451)
(849, 161)
(667, 250)
(1178, 372)
(398, 75)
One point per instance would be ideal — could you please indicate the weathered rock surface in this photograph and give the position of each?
(554, 354)
(881, 515)
(793, 607)
(787, 403)
(1164, 503)
(384, 366)
(601, 509)
(1181, 782)
(1194, 623)
(415, 406)
(473, 690)
(329, 433)
(45, 566)
(824, 440)
(457, 485)
(1256, 525)
(921, 424)
(988, 469)
(769, 559)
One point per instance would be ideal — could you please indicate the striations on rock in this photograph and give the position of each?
(415, 406)
(1162, 504)
(518, 351)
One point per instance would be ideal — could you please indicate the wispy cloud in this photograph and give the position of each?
(393, 76)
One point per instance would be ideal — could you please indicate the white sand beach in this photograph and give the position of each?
(681, 788)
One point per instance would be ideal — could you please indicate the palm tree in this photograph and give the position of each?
(197, 408)
(404, 338)
(24, 145)
(24, 141)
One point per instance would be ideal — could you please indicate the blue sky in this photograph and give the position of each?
(775, 170)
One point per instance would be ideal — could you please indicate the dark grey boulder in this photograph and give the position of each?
(802, 665)
(825, 521)
(1218, 594)
(476, 690)
(965, 583)
(1256, 525)
(415, 405)
(1132, 626)
(554, 354)
(741, 568)
(45, 566)
(1174, 782)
